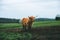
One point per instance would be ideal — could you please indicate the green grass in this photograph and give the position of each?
(25, 35)
(9, 25)
(46, 23)
(35, 24)
(15, 36)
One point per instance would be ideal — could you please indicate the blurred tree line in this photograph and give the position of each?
(44, 19)
(8, 20)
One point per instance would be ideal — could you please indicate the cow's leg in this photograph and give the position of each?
(24, 27)
(29, 27)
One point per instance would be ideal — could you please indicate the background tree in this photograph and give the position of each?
(57, 17)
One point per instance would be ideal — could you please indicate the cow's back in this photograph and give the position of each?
(25, 21)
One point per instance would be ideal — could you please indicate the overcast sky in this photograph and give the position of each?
(25, 8)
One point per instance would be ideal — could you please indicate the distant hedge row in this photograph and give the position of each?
(44, 19)
(7, 20)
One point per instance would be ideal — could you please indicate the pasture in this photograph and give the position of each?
(35, 24)
(42, 30)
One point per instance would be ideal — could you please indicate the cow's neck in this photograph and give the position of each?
(30, 22)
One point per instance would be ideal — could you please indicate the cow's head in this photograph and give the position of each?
(31, 18)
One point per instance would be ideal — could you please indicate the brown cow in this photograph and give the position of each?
(27, 22)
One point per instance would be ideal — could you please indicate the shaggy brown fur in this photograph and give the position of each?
(27, 22)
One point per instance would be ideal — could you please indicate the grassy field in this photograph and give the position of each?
(35, 24)
(46, 23)
(15, 36)
(36, 34)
